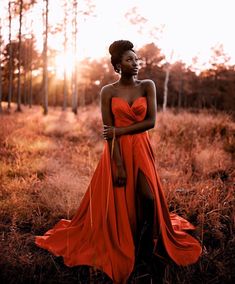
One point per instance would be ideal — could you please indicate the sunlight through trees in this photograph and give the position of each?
(54, 77)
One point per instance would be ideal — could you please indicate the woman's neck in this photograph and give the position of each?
(127, 81)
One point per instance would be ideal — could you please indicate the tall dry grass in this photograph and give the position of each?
(46, 165)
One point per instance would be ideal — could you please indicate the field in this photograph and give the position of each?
(46, 163)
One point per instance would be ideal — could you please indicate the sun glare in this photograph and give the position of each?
(64, 62)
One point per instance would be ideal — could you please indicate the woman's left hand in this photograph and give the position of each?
(108, 132)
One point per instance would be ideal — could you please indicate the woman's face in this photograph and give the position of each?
(129, 63)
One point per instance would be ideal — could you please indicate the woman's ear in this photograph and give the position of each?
(118, 67)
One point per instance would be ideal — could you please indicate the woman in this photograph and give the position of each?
(123, 219)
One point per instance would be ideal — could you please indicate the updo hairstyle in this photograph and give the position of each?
(116, 49)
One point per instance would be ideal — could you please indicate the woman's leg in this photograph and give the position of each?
(145, 218)
(145, 221)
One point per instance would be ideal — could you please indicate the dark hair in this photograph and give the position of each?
(116, 49)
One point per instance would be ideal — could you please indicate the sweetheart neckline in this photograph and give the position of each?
(127, 101)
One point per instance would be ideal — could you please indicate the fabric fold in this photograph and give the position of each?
(102, 232)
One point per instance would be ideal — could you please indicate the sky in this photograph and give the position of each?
(190, 28)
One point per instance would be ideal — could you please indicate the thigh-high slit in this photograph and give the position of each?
(145, 217)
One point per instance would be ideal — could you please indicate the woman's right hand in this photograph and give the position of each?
(120, 178)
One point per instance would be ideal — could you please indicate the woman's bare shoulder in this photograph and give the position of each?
(106, 91)
(149, 87)
(147, 83)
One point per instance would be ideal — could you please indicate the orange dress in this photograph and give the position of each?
(101, 234)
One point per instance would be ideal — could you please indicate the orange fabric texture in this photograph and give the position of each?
(101, 234)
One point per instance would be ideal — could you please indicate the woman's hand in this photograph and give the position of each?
(120, 178)
(108, 132)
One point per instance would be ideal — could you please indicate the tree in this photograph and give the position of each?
(151, 58)
(25, 58)
(26, 46)
(167, 69)
(75, 85)
(215, 88)
(23, 6)
(30, 70)
(0, 66)
(45, 60)
(178, 70)
(92, 75)
(65, 51)
(10, 83)
(218, 57)
(19, 59)
(29, 60)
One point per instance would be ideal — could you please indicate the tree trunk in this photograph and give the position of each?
(75, 87)
(30, 91)
(45, 71)
(10, 59)
(180, 94)
(19, 59)
(166, 87)
(30, 74)
(65, 51)
(0, 66)
(25, 72)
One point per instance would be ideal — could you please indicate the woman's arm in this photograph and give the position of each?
(108, 120)
(107, 117)
(147, 123)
